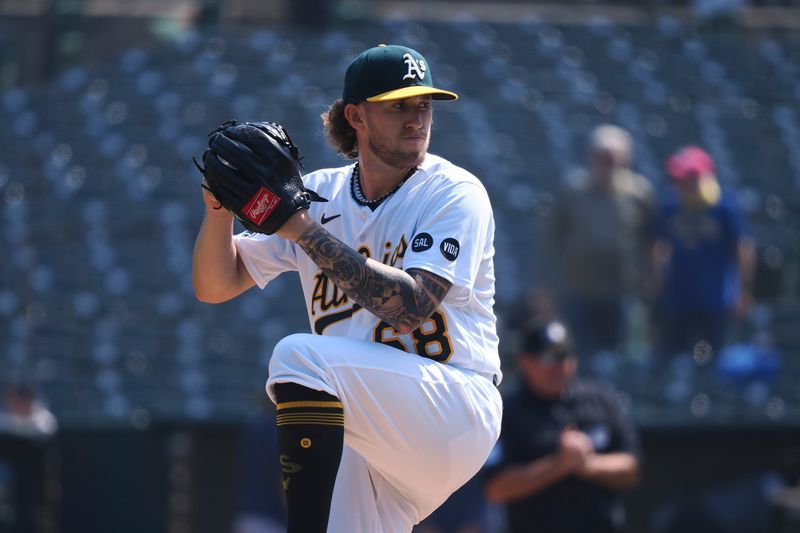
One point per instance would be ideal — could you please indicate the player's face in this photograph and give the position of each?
(399, 131)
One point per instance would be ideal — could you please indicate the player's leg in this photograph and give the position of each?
(364, 501)
(427, 432)
(310, 427)
(423, 427)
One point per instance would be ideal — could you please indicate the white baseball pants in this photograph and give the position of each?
(415, 430)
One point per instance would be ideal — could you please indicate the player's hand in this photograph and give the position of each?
(574, 449)
(253, 170)
(212, 204)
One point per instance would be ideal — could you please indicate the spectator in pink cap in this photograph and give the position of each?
(692, 172)
(704, 258)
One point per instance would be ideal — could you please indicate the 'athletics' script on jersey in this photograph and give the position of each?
(329, 300)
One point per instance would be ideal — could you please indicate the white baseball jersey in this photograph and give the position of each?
(441, 221)
(421, 413)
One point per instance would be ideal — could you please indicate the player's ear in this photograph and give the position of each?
(354, 114)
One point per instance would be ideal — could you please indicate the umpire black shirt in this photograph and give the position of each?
(531, 430)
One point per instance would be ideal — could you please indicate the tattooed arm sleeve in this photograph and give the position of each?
(402, 299)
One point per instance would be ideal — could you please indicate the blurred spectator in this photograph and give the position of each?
(600, 241)
(26, 428)
(465, 511)
(704, 259)
(259, 500)
(566, 450)
(24, 415)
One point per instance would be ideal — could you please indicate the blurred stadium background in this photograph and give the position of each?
(103, 103)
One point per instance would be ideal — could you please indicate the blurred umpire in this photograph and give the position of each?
(566, 450)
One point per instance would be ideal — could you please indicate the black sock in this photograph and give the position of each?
(310, 438)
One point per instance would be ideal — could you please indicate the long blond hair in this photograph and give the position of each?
(340, 134)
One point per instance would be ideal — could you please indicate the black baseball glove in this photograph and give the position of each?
(253, 170)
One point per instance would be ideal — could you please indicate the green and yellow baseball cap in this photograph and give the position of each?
(390, 72)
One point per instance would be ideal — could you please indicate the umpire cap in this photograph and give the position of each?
(551, 341)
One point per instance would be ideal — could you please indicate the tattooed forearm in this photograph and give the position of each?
(403, 299)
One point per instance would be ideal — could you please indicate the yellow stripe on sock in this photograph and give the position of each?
(293, 422)
(327, 405)
(302, 423)
(306, 413)
(338, 420)
(310, 419)
(312, 422)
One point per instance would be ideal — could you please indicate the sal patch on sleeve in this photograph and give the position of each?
(421, 242)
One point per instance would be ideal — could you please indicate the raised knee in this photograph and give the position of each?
(296, 359)
(288, 349)
(289, 343)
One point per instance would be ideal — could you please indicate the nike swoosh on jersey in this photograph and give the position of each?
(325, 219)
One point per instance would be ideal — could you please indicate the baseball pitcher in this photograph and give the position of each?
(390, 404)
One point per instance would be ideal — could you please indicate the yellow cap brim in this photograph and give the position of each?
(413, 90)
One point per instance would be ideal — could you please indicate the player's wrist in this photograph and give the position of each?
(218, 213)
(297, 225)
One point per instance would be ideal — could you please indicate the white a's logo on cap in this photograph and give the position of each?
(415, 68)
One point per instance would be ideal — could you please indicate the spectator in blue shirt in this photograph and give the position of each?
(704, 258)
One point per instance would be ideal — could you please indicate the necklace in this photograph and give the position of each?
(358, 194)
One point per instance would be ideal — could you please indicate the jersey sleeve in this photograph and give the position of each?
(453, 235)
(265, 256)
